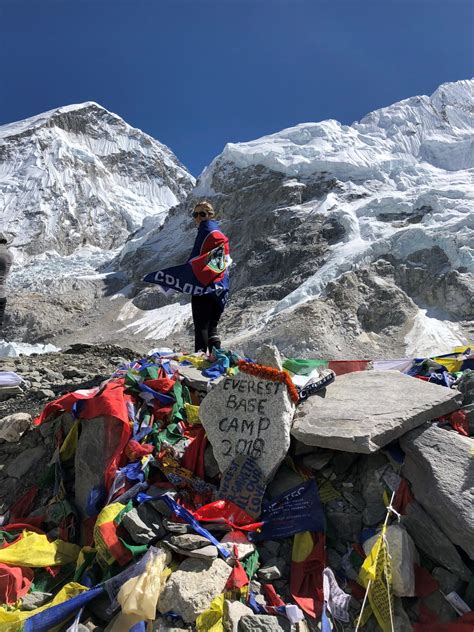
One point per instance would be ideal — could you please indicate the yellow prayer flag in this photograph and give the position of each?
(12, 620)
(327, 491)
(69, 445)
(211, 620)
(192, 413)
(376, 569)
(35, 550)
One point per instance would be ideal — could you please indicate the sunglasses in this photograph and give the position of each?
(199, 214)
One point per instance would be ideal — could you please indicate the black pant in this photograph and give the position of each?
(206, 315)
(3, 302)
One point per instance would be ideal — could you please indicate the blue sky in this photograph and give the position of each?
(196, 74)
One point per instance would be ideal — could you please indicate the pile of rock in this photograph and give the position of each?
(365, 439)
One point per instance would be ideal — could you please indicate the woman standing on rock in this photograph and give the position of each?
(204, 276)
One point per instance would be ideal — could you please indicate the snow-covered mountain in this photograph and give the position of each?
(81, 176)
(347, 240)
(75, 182)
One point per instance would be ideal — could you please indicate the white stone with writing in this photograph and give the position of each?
(248, 415)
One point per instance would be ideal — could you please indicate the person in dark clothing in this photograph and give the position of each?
(206, 316)
(206, 309)
(204, 276)
(6, 260)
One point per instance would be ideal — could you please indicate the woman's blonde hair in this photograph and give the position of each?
(207, 206)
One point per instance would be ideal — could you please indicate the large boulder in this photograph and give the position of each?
(98, 441)
(190, 590)
(429, 538)
(365, 410)
(248, 415)
(439, 466)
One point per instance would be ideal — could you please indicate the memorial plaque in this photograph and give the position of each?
(243, 484)
(250, 416)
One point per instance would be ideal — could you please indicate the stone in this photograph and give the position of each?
(34, 600)
(248, 415)
(144, 524)
(43, 393)
(356, 500)
(195, 379)
(190, 590)
(317, 460)
(52, 376)
(13, 426)
(347, 524)
(263, 623)
(25, 461)
(101, 608)
(176, 527)
(436, 602)
(466, 386)
(403, 556)
(372, 490)
(239, 539)
(438, 464)
(6, 392)
(208, 552)
(284, 480)
(189, 541)
(401, 621)
(210, 464)
(365, 410)
(448, 582)
(268, 550)
(162, 625)
(268, 355)
(273, 569)
(73, 371)
(98, 441)
(334, 560)
(429, 539)
(243, 484)
(233, 612)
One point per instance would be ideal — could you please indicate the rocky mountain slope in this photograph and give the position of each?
(358, 238)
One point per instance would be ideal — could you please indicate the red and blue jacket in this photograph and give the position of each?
(205, 272)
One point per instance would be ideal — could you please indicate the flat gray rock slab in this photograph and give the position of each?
(363, 411)
(195, 379)
(439, 466)
(190, 590)
(250, 416)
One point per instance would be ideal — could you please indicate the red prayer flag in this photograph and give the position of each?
(307, 565)
(425, 583)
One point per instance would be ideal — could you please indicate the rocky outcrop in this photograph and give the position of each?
(439, 466)
(325, 240)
